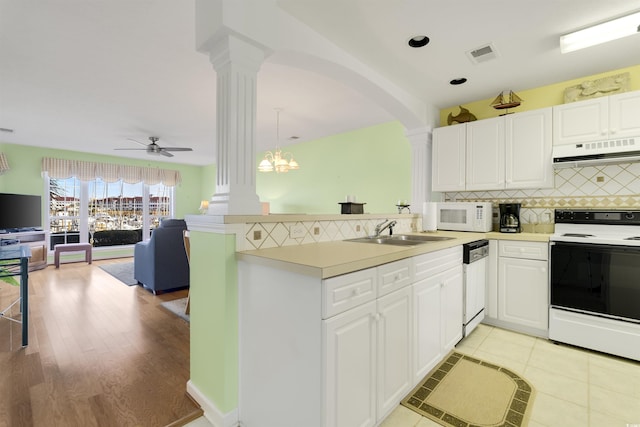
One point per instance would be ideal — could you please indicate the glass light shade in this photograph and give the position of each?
(265, 166)
(601, 33)
(293, 165)
(204, 206)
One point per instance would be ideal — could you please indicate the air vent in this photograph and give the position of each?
(482, 54)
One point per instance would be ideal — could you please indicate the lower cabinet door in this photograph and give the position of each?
(350, 368)
(523, 292)
(452, 310)
(426, 325)
(394, 349)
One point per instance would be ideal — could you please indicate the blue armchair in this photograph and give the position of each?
(160, 263)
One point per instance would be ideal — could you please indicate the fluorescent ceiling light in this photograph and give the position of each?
(601, 33)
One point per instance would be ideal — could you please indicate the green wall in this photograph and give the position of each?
(373, 163)
(214, 318)
(208, 182)
(25, 175)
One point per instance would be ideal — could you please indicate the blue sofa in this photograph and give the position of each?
(160, 263)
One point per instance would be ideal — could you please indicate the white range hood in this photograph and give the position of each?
(625, 150)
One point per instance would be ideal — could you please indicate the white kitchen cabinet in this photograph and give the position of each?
(350, 339)
(528, 149)
(448, 160)
(427, 328)
(351, 365)
(523, 292)
(485, 154)
(599, 119)
(522, 287)
(437, 305)
(452, 308)
(512, 151)
(395, 337)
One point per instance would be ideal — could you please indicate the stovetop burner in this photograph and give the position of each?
(597, 227)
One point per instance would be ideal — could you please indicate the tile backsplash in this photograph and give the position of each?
(603, 187)
(264, 235)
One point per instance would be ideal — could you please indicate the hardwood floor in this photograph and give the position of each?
(100, 354)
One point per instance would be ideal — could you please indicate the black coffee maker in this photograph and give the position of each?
(509, 217)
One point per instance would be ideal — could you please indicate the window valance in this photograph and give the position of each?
(109, 172)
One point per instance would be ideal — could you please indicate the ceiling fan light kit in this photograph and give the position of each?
(601, 33)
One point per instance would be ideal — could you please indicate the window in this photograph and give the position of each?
(105, 213)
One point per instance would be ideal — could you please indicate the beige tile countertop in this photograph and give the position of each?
(330, 259)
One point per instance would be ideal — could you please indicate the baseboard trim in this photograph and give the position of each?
(211, 412)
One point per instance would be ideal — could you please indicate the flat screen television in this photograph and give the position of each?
(20, 212)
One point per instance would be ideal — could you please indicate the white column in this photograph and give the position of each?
(420, 140)
(236, 63)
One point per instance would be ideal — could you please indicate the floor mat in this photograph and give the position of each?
(122, 271)
(177, 307)
(466, 391)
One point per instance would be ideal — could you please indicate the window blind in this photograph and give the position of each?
(109, 172)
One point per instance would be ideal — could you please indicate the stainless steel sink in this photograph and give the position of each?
(400, 239)
(420, 238)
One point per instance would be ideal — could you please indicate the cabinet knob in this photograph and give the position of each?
(356, 292)
(398, 277)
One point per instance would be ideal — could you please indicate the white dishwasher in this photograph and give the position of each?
(475, 278)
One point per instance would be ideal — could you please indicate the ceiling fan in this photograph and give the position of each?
(154, 148)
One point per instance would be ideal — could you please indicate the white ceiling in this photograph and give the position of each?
(87, 75)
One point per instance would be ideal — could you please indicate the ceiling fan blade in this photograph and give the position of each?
(136, 141)
(177, 149)
(164, 153)
(130, 149)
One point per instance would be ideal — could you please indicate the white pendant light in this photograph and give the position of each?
(601, 33)
(277, 160)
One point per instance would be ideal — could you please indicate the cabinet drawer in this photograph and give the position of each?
(393, 276)
(426, 265)
(347, 291)
(528, 250)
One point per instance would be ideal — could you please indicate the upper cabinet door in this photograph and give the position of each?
(448, 162)
(624, 115)
(528, 149)
(581, 121)
(485, 154)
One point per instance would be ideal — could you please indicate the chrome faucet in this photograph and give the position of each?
(383, 226)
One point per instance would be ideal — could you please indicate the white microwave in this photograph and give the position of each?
(465, 216)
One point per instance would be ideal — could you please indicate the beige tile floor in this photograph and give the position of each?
(574, 387)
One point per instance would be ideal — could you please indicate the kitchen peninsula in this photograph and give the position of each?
(337, 332)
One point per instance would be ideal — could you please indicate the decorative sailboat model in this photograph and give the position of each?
(504, 101)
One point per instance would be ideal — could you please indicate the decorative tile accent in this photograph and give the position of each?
(605, 187)
(277, 234)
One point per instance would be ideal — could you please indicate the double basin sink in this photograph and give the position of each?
(400, 239)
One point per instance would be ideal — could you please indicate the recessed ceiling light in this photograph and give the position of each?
(418, 41)
(459, 81)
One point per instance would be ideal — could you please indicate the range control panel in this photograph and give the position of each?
(591, 216)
